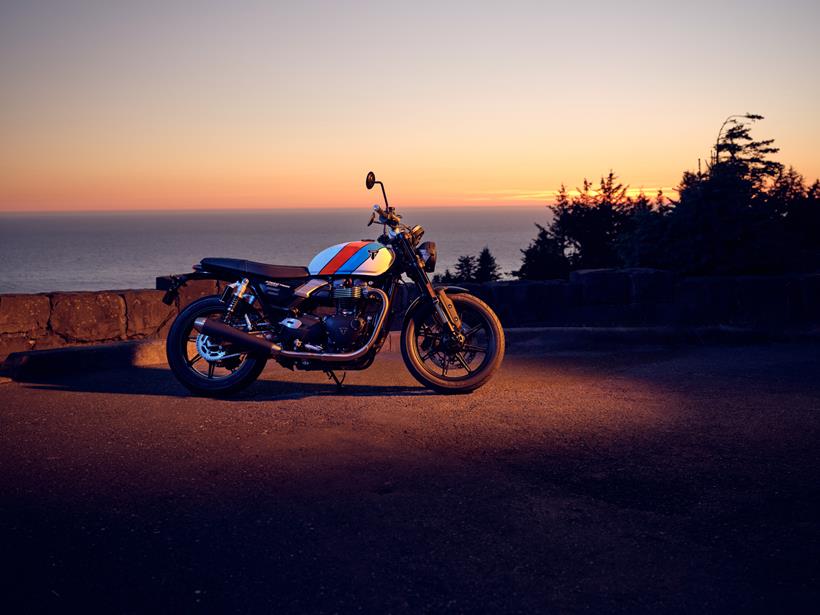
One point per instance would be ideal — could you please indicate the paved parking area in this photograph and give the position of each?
(651, 480)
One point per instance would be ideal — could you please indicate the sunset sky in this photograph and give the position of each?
(130, 105)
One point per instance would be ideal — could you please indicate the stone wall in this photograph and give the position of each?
(650, 297)
(592, 298)
(54, 320)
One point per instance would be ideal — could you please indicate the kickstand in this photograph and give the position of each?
(332, 375)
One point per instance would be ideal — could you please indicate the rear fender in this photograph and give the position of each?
(172, 283)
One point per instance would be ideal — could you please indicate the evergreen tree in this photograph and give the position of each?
(642, 238)
(544, 258)
(721, 223)
(486, 267)
(797, 205)
(466, 268)
(747, 158)
(444, 278)
(583, 232)
(589, 223)
(746, 214)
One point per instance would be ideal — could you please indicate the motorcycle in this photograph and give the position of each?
(333, 315)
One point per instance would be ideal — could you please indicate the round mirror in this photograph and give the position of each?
(371, 180)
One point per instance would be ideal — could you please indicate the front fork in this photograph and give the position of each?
(447, 315)
(443, 309)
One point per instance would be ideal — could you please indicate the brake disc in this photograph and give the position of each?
(209, 349)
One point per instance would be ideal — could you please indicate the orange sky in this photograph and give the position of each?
(250, 104)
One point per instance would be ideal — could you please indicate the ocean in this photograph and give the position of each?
(41, 252)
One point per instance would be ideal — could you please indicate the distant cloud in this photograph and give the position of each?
(540, 196)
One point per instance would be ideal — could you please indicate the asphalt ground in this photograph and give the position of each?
(654, 480)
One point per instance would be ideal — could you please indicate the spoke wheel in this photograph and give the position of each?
(447, 365)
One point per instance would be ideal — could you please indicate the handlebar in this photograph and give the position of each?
(389, 218)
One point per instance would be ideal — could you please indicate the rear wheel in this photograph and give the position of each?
(448, 367)
(204, 365)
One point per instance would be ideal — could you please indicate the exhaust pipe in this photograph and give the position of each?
(220, 330)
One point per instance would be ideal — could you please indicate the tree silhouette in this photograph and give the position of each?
(583, 232)
(746, 214)
(797, 206)
(544, 258)
(466, 268)
(642, 238)
(721, 223)
(486, 268)
(444, 278)
(747, 158)
(589, 223)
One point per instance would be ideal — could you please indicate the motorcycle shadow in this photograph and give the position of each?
(158, 381)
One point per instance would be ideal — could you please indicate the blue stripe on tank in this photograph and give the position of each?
(351, 264)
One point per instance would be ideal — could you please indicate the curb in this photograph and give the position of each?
(580, 339)
(524, 340)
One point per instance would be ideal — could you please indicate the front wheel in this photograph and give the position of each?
(442, 364)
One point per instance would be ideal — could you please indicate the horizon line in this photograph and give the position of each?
(367, 208)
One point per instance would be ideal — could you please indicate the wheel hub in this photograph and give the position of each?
(208, 349)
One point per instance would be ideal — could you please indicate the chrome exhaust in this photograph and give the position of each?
(220, 330)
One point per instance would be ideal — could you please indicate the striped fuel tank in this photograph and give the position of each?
(365, 258)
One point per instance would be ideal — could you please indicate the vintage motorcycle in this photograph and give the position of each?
(333, 315)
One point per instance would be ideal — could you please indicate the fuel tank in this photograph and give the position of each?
(360, 258)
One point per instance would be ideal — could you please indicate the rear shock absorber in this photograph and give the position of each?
(239, 292)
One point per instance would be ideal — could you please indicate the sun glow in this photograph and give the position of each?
(108, 106)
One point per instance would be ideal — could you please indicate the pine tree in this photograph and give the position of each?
(466, 268)
(544, 258)
(721, 223)
(746, 158)
(486, 267)
(746, 214)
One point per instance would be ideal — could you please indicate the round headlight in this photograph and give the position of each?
(427, 251)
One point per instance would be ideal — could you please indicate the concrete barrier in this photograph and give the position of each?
(592, 298)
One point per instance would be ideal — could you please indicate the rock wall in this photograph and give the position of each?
(53, 320)
(591, 298)
(650, 297)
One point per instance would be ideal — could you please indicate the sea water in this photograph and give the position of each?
(42, 252)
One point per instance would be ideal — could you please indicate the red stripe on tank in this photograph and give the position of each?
(342, 256)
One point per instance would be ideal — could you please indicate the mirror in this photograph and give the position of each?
(371, 180)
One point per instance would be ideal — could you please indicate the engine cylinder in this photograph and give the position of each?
(346, 298)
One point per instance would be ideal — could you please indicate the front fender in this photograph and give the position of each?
(419, 301)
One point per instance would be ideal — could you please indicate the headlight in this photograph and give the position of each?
(427, 251)
(416, 232)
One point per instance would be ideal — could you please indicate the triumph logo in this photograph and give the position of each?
(373, 253)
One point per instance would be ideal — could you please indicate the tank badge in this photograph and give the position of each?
(373, 253)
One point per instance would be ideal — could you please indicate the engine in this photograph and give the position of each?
(330, 329)
(345, 327)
